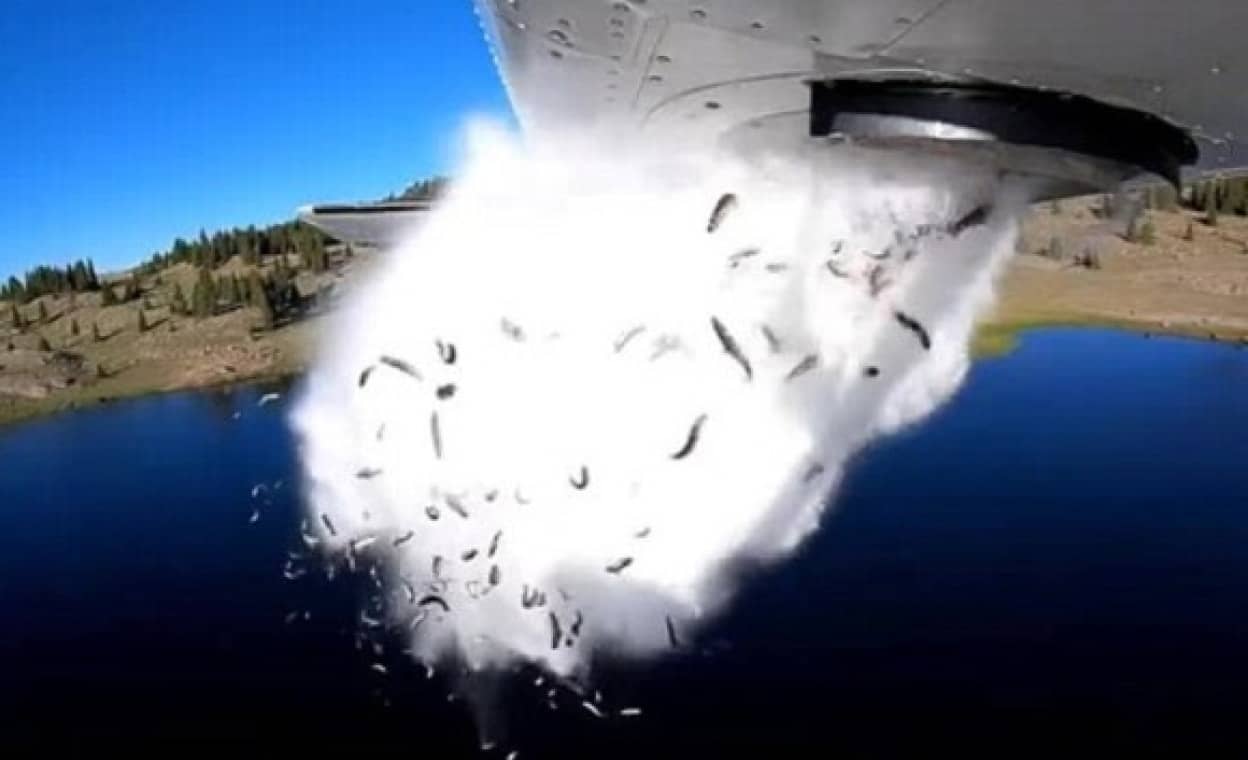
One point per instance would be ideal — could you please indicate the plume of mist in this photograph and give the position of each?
(564, 399)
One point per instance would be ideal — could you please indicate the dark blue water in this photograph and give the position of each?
(1058, 560)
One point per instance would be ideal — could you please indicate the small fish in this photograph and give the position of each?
(520, 497)
(691, 440)
(456, 506)
(872, 372)
(494, 544)
(496, 575)
(256, 490)
(469, 555)
(400, 365)
(630, 712)
(735, 259)
(381, 431)
(617, 567)
(812, 472)
(361, 544)
(664, 344)
(776, 268)
(643, 533)
(576, 626)
(672, 638)
(447, 352)
(403, 539)
(268, 398)
(445, 392)
(367, 373)
(411, 592)
(437, 566)
(627, 337)
(912, 324)
(491, 495)
(726, 203)
(556, 633)
(434, 599)
(255, 517)
(367, 473)
(512, 755)
(977, 217)
(773, 342)
(876, 282)
(731, 347)
(806, 365)
(417, 619)
(512, 330)
(379, 668)
(836, 271)
(837, 247)
(581, 482)
(432, 512)
(591, 708)
(291, 617)
(329, 526)
(435, 433)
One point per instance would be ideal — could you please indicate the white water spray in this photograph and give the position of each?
(565, 409)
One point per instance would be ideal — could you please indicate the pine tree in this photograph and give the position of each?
(1190, 234)
(143, 326)
(44, 345)
(43, 312)
(73, 327)
(95, 332)
(15, 318)
(131, 289)
(178, 303)
(107, 296)
(260, 299)
(1146, 233)
(204, 295)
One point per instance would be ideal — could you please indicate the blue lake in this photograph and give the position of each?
(1058, 559)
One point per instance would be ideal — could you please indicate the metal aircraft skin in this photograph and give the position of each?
(710, 72)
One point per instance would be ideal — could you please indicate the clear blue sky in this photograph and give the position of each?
(124, 124)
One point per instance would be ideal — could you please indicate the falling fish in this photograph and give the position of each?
(836, 270)
(876, 282)
(404, 538)
(329, 525)
(806, 365)
(512, 755)
(643, 533)
(400, 365)
(691, 440)
(434, 600)
(367, 373)
(437, 566)
(672, 638)
(456, 506)
(379, 668)
(627, 337)
(592, 708)
(630, 712)
(812, 472)
(735, 259)
(726, 203)
(407, 587)
(913, 325)
(255, 517)
(977, 217)
(367, 473)
(556, 633)
(872, 372)
(268, 398)
(617, 567)
(576, 628)
(496, 575)
(447, 352)
(469, 555)
(432, 512)
(511, 330)
(363, 543)
(445, 392)
(776, 268)
(581, 481)
(731, 347)
(494, 544)
(435, 434)
(256, 490)
(773, 342)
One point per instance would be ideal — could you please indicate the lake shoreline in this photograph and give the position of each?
(992, 339)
